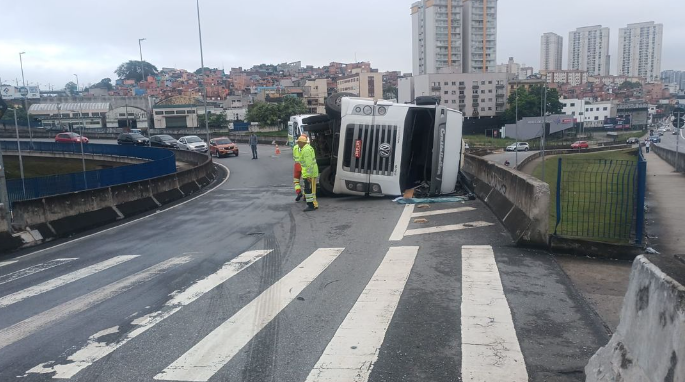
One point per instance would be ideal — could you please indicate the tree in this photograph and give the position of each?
(105, 83)
(390, 92)
(628, 85)
(70, 88)
(215, 120)
(8, 117)
(200, 70)
(271, 114)
(530, 102)
(131, 70)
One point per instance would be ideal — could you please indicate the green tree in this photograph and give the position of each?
(215, 120)
(70, 88)
(271, 114)
(530, 102)
(200, 70)
(105, 83)
(390, 92)
(131, 70)
(628, 85)
(8, 118)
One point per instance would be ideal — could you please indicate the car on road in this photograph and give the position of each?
(222, 146)
(655, 139)
(580, 145)
(136, 131)
(675, 132)
(70, 138)
(633, 140)
(518, 146)
(166, 141)
(132, 139)
(192, 143)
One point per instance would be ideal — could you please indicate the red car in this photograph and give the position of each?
(70, 138)
(223, 147)
(580, 145)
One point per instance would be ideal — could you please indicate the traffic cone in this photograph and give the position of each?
(278, 150)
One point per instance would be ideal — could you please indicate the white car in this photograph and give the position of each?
(518, 146)
(192, 143)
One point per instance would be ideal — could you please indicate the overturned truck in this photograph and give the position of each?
(367, 147)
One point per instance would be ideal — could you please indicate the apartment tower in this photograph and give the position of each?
(588, 50)
(551, 50)
(639, 50)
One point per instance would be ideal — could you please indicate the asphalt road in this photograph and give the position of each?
(241, 285)
(668, 140)
(510, 156)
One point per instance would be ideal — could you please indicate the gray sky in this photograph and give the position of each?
(92, 37)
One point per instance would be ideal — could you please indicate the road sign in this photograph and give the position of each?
(678, 110)
(24, 91)
(679, 123)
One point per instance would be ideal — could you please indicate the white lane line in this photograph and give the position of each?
(95, 350)
(353, 351)
(403, 223)
(228, 172)
(42, 320)
(4, 263)
(33, 270)
(62, 280)
(215, 350)
(490, 349)
(442, 212)
(446, 228)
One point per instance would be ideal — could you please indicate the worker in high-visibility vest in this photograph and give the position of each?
(297, 171)
(310, 171)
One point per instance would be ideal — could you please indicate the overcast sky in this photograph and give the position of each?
(92, 37)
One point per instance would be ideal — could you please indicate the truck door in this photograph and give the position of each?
(447, 136)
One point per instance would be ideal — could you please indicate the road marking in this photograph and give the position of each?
(442, 212)
(403, 223)
(41, 321)
(490, 349)
(4, 263)
(95, 350)
(4, 279)
(353, 351)
(228, 172)
(62, 280)
(215, 350)
(446, 228)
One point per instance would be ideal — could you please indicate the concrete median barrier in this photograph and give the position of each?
(520, 201)
(670, 157)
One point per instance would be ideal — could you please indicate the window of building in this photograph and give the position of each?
(159, 112)
(169, 112)
(180, 111)
(587, 109)
(573, 104)
(454, 101)
(475, 82)
(461, 92)
(461, 83)
(489, 99)
(482, 82)
(475, 91)
(482, 100)
(490, 108)
(482, 91)
(605, 109)
(482, 109)
(489, 90)
(191, 111)
(445, 101)
(454, 92)
(489, 82)
(122, 114)
(446, 83)
(447, 92)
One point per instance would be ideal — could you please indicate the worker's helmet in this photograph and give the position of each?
(302, 138)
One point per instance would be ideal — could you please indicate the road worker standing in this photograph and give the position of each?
(310, 171)
(297, 170)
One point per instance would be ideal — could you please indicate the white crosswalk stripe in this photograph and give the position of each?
(490, 349)
(62, 280)
(95, 350)
(6, 263)
(352, 352)
(33, 270)
(442, 212)
(215, 350)
(447, 228)
(42, 320)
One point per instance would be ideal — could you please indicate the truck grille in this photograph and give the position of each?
(372, 160)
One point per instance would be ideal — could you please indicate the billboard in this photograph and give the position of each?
(620, 122)
(14, 93)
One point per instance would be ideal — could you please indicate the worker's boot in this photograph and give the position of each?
(299, 197)
(310, 207)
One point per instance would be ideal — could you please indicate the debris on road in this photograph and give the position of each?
(447, 199)
(420, 221)
(423, 206)
(651, 251)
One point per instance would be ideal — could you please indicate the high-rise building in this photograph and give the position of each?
(588, 50)
(510, 67)
(551, 50)
(456, 34)
(639, 50)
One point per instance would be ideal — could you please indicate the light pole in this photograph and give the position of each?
(76, 75)
(25, 99)
(516, 149)
(21, 63)
(204, 76)
(142, 68)
(83, 158)
(544, 129)
(21, 161)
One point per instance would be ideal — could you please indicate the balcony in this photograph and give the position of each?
(499, 95)
(499, 103)
(462, 87)
(475, 87)
(499, 86)
(435, 88)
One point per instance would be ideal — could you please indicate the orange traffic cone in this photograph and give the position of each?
(278, 150)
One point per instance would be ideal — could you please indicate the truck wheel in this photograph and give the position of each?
(334, 104)
(326, 181)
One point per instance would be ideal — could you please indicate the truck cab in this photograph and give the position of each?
(296, 127)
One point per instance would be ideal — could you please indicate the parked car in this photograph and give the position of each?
(70, 138)
(580, 145)
(633, 140)
(518, 146)
(166, 141)
(132, 139)
(222, 147)
(192, 143)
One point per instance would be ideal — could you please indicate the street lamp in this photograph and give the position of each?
(142, 68)
(83, 158)
(24, 94)
(21, 63)
(204, 77)
(21, 161)
(76, 75)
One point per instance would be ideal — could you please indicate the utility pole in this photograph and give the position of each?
(543, 109)
(204, 76)
(21, 161)
(678, 123)
(5, 206)
(516, 149)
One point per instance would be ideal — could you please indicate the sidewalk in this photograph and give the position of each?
(665, 218)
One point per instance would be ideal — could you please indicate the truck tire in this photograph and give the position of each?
(316, 119)
(334, 104)
(326, 182)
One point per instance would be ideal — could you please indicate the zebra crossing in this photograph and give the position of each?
(350, 354)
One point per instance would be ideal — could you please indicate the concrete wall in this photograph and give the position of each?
(669, 156)
(520, 201)
(649, 343)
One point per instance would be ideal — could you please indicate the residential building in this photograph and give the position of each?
(510, 67)
(675, 77)
(588, 50)
(316, 92)
(573, 77)
(456, 34)
(551, 50)
(525, 72)
(639, 50)
(474, 94)
(591, 114)
(366, 85)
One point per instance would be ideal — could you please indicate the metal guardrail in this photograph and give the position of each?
(159, 162)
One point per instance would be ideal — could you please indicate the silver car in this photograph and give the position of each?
(192, 143)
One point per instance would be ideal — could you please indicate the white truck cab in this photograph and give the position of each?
(386, 148)
(295, 127)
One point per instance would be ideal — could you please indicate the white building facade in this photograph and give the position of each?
(551, 51)
(639, 50)
(591, 114)
(588, 50)
(573, 77)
